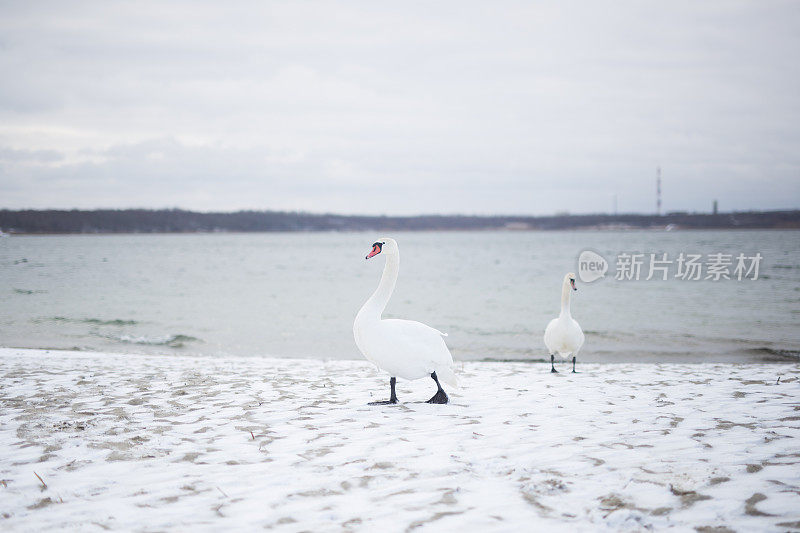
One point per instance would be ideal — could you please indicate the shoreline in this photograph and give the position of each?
(590, 229)
(770, 356)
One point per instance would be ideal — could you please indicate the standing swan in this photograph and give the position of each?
(403, 348)
(563, 335)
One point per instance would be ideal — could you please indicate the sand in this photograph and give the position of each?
(145, 443)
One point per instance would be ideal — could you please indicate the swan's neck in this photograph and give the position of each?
(377, 302)
(566, 295)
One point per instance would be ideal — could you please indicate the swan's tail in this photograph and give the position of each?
(447, 375)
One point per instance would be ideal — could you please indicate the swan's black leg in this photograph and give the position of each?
(440, 396)
(573, 365)
(392, 399)
(552, 366)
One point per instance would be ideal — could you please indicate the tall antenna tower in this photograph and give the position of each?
(658, 190)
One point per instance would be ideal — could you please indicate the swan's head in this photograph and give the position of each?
(570, 278)
(384, 245)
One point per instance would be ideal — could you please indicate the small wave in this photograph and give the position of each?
(512, 360)
(618, 335)
(29, 291)
(767, 354)
(114, 322)
(173, 341)
(92, 321)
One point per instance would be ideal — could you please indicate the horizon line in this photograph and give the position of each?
(418, 215)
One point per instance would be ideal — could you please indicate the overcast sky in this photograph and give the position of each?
(400, 107)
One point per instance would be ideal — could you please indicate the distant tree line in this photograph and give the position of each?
(180, 221)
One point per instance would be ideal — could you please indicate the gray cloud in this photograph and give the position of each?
(365, 107)
(29, 156)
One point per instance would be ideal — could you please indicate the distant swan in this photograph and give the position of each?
(563, 334)
(403, 348)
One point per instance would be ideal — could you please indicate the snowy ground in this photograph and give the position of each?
(153, 443)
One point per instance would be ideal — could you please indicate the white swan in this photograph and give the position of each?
(403, 348)
(563, 334)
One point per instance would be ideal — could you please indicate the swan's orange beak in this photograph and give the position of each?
(376, 249)
(572, 282)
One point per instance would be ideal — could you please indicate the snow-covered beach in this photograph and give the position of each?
(134, 442)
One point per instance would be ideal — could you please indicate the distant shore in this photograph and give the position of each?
(179, 221)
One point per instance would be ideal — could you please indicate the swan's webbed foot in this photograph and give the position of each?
(552, 366)
(392, 398)
(573, 365)
(440, 396)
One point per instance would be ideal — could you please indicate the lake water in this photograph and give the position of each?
(296, 294)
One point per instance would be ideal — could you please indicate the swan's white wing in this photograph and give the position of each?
(581, 337)
(407, 349)
(421, 341)
(412, 330)
(548, 335)
(563, 337)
